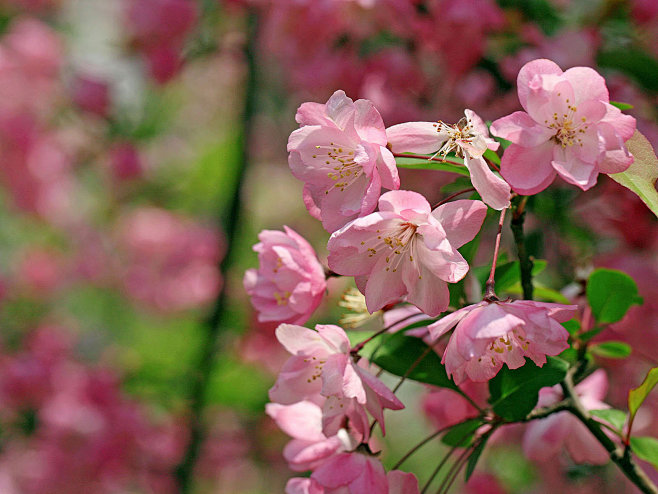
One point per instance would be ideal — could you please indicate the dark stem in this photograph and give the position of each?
(452, 196)
(525, 261)
(620, 456)
(420, 445)
(489, 287)
(229, 221)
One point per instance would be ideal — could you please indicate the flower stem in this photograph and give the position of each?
(229, 221)
(620, 456)
(489, 290)
(525, 261)
(452, 196)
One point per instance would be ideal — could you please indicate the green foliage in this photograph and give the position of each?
(641, 176)
(622, 106)
(507, 274)
(238, 385)
(461, 434)
(610, 293)
(492, 156)
(637, 395)
(633, 62)
(646, 448)
(398, 353)
(420, 163)
(542, 12)
(611, 349)
(514, 393)
(615, 418)
(473, 459)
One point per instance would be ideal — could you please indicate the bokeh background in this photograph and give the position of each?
(143, 147)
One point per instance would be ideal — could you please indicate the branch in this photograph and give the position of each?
(621, 457)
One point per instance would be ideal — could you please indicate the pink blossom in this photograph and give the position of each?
(545, 438)
(125, 161)
(468, 138)
(489, 334)
(289, 284)
(340, 153)
(309, 447)
(568, 129)
(322, 370)
(407, 249)
(91, 94)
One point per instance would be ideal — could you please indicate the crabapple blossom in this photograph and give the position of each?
(309, 446)
(407, 249)
(544, 438)
(568, 128)
(322, 370)
(354, 473)
(289, 284)
(340, 153)
(468, 138)
(489, 334)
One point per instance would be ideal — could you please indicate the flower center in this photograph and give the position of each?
(567, 128)
(458, 134)
(317, 368)
(343, 169)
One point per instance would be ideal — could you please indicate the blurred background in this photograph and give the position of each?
(143, 147)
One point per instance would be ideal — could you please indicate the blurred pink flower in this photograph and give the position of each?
(569, 128)
(125, 161)
(340, 153)
(290, 283)
(407, 249)
(91, 94)
(545, 438)
(489, 334)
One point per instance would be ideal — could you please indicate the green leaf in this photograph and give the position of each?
(610, 294)
(420, 163)
(492, 156)
(462, 433)
(573, 326)
(641, 176)
(473, 459)
(637, 395)
(633, 62)
(399, 352)
(507, 274)
(514, 393)
(622, 106)
(611, 349)
(646, 448)
(615, 418)
(540, 292)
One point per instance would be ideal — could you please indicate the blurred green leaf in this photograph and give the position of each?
(610, 293)
(542, 12)
(492, 156)
(461, 434)
(641, 176)
(637, 395)
(473, 459)
(514, 393)
(611, 349)
(239, 385)
(632, 62)
(507, 274)
(420, 163)
(646, 448)
(614, 417)
(399, 352)
(622, 106)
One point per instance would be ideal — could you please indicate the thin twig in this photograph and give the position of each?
(452, 196)
(490, 292)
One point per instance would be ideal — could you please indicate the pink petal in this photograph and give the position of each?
(340, 470)
(528, 72)
(430, 294)
(301, 420)
(544, 438)
(300, 340)
(494, 190)
(383, 287)
(587, 84)
(402, 483)
(521, 129)
(623, 124)
(340, 108)
(528, 170)
(368, 123)
(372, 479)
(415, 137)
(446, 323)
(399, 200)
(333, 371)
(595, 386)
(574, 170)
(388, 170)
(313, 114)
(461, 220)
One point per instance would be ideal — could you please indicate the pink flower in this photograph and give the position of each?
(544, 438)
(354, 473)
(289, 284)
(340, 153)
(568, 128)
(309, 447)
(468, 138)
(489, 334)
(322, 370)
(91, 94)
(407, 249)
